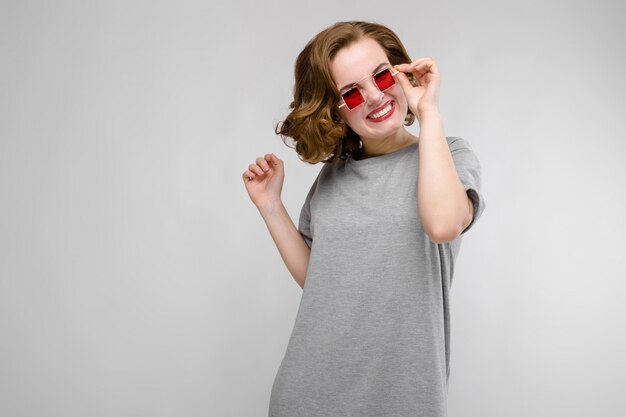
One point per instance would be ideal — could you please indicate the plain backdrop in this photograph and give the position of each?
(137, 278)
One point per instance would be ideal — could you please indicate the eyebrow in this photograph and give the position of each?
(373, 72)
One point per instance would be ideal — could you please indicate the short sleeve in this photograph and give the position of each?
(304, 223)
(470, 173)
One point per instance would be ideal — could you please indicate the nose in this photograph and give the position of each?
(373, 95)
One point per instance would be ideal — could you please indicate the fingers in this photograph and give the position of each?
(247, 175)
(404, 81)
(426, 62)
(274, 161)
(261, 166)
(420, 67)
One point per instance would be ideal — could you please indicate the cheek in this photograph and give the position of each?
(343, 114)
(403, 105)
(349, 117)
(399, 93)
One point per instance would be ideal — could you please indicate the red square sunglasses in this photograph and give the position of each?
(383, 79)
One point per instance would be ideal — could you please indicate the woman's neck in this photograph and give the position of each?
(376, 147)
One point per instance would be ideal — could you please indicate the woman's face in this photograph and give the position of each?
(382, 113)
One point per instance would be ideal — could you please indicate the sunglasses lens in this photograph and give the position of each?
(384, 80)
(352, 98)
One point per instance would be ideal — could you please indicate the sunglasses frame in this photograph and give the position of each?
(391, 70)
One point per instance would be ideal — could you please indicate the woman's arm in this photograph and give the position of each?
(444, 207)
(290, 243)
(264, 183)
(443, 204)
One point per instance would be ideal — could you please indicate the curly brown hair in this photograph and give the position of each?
(314, 125)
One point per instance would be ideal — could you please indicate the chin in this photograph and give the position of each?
(387, 129)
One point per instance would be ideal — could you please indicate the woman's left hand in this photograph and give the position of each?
(425, 96)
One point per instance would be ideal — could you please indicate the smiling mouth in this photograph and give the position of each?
(382, 112)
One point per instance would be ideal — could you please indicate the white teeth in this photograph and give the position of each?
(381, 113)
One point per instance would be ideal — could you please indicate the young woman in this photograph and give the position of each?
(378, 233)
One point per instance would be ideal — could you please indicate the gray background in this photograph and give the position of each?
(137, 278)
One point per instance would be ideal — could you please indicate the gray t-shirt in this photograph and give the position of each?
(372, 332)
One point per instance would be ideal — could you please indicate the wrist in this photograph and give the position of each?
(269, 207)
(427, 114)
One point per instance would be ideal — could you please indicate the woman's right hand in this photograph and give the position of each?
(264, 180)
